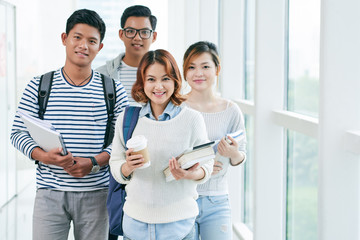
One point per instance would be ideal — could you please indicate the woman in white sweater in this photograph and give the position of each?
(222, 117)
(154, 208)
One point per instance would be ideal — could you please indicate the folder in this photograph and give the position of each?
(43, 133)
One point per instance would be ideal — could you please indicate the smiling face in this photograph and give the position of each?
(202, 72)
(137, 46)
(82, 45)
(158, 87)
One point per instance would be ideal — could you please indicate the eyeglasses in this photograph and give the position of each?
(143, 33)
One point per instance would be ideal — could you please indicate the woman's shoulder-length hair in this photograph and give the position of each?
(164, 58)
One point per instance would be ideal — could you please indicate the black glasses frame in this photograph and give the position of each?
(138, 31)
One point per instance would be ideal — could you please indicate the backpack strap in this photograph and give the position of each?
(131, 117)
(44, 92)
(110, 100)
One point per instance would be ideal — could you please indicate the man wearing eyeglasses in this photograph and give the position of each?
(138, 33)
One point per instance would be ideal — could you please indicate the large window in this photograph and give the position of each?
(248, 201)
(303, 56)
(301, 221)
(302, 97)
(249, 51)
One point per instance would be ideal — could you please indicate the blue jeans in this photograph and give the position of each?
(214, 219)
(137, 230)
(190, 236)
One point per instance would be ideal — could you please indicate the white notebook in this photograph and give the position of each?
(43, 133)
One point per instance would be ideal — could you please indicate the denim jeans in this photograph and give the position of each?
(136, 230)
(190, 236)
(214, 219)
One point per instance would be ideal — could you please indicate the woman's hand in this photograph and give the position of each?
(193, 173)
(228, 149)
(231, 151)
(132, 162)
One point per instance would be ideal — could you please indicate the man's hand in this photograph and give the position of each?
(53, 157)
(80, 168)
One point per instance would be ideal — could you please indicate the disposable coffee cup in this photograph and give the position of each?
(139, 144)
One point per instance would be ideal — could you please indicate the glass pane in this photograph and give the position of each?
(303, 69)
(302, 178)
(248, 201)
(249, 49)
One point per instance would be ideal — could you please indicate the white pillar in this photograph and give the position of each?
(339, 169)
(269, 152)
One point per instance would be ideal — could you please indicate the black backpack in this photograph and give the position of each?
(109, 95)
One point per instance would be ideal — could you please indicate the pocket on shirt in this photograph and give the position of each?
(99, 112)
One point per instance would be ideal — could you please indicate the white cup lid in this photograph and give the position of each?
(137, 143)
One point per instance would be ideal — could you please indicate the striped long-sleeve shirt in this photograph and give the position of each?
(79, 114)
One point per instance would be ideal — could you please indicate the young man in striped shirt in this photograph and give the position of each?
(138, 33)
(72, 188)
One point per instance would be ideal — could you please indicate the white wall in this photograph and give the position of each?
(7, 99)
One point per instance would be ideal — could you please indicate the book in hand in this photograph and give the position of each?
(238, 136)
(43, 133)
(199, 154)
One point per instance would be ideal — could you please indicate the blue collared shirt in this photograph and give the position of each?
(170, 112)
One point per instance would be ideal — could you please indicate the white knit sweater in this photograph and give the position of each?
(219, 124)
(150, 198)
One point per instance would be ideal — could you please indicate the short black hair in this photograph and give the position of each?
(88, 17)
(138, 11)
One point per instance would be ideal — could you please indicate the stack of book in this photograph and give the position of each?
(199, 154)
